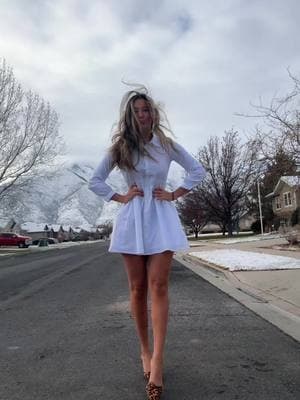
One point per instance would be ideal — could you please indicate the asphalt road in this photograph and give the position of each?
(66, 333)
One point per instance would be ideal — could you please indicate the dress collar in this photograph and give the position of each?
(155, 140)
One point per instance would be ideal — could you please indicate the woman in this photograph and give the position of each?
(147, 230)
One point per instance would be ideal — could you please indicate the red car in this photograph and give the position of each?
(12, 239)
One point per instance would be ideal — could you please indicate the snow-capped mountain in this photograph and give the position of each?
(64, 198)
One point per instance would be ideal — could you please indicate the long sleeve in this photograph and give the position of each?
(195, 172)
(97, 182)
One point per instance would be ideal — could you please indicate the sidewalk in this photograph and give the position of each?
(273, 294)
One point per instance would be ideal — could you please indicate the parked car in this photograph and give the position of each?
(49, 240)
(12, 239)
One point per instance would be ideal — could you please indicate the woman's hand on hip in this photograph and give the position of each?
(161, 194)
(132, 192)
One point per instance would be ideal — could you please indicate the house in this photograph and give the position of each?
(285, 198)
(35, 230)
(88, 232)
(42, 230)
(246, 221)
(59, 232)
(63, 233)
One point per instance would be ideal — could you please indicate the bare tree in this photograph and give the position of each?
(231, 170)
(281, 119)
(15, 205)
(29, 138)
(192, 213)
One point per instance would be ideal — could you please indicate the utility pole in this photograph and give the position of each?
(260, 212)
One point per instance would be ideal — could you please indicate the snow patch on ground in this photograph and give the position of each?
(247, 239)
(237, 260)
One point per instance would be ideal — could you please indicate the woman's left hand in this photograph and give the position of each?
(162, 194)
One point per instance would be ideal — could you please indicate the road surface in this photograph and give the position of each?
(66, 333)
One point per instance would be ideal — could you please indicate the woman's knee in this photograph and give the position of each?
(159, 287)
(138, 290)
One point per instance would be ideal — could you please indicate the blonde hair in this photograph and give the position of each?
(127, 138)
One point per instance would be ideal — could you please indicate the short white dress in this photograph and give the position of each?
(146, 225)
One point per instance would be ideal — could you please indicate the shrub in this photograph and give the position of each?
(295, 218)
(293, 238)
(255, 226)
(276, 223)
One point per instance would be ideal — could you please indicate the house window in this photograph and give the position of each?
(287, 199)
(277, 203)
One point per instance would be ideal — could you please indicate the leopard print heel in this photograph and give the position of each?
(153, 392)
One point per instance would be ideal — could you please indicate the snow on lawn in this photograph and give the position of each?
(236, 260)
(247, 239)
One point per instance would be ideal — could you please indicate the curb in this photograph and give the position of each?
(283, 315)
(253, 291)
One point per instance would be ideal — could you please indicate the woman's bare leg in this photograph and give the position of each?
(159, 266)
(138, 287)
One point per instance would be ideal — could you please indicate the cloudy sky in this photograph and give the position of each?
(204, 60)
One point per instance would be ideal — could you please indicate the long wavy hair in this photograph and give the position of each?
(127, 139)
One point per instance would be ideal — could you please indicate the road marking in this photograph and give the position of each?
(13, 348)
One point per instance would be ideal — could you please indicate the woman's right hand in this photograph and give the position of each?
(132, 192)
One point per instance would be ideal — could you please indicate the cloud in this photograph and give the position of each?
(204, 60)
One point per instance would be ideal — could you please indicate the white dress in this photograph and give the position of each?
(146, 225)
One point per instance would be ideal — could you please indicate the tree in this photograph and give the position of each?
(192, 213)
(29, 137)
(281, 119)
(232, 168)
(281, 164)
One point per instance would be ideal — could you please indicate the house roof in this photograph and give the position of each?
(33, 227)
(291, 181)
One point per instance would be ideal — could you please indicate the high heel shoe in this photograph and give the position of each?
(153, 392)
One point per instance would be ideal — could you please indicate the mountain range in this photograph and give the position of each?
(64, 198)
